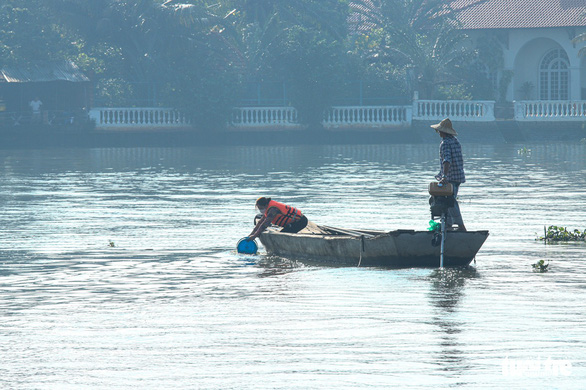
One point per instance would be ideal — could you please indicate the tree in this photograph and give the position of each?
(420, 38)
(313, 65)
(300, 42)
(262, 24)
(485, 77)
(203, 63)
(26, 34)
(179, 48)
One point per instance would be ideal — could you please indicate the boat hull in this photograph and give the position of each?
(396, 249)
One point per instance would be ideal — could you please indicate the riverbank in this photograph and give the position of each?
(498, 132)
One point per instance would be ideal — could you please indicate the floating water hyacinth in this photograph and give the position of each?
(111, 244)
(560, 233)
(540, 266)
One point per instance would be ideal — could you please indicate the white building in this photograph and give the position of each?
(537, 37)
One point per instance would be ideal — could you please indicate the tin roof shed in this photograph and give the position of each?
(43, 72)
(60, 85)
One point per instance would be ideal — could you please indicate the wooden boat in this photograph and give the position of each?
(367, 248)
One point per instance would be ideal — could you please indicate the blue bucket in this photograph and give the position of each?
(247, 247)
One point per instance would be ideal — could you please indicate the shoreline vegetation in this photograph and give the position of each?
(205, 58)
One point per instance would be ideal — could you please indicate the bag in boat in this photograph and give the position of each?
(439, 189)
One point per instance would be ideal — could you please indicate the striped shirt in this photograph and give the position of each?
(451, 151)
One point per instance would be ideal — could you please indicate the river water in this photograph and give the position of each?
(118, 270)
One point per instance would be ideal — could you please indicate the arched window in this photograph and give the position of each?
(554, 76)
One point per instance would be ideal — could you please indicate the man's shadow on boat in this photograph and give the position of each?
(447, 289)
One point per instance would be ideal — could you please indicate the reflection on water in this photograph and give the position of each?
(172, 305)
(448, 285)
(447, 290)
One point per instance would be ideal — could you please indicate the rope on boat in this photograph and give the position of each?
(361, 250)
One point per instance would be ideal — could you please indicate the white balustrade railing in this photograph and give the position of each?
(138, 117)
(456, 110)
(265, 117)
(367, 116)
(348, 116)
(548, 110)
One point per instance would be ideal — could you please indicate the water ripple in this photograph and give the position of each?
(118, 270)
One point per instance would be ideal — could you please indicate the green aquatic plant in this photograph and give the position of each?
(111, 244)
(524, 151)
(560, 233)
(540, 266)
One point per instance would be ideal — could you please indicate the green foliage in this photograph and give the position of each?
(560, 233)
(420, 39)
(489, 51)
(26, 34)
(299, 42)
(312, 63)
(481, 72)
(195, 55)
(453, 92)
(206, 95)
(180, 54)
(540, 266)
(526, 90)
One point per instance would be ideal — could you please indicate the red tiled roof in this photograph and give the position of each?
(498, 14)
(361, 16)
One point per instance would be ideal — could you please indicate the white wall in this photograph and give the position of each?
(583, 76)
(526, 50)
(526, 66)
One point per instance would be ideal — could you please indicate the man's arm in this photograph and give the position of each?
(445, 170)
(447, 157)
(264, 222)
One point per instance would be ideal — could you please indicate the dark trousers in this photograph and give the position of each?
(295, 226)
(454, 215)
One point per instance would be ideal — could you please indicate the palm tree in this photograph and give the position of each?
(142, 30)
(184, 49)
(263, 23)
(419, 37)
(327, 15)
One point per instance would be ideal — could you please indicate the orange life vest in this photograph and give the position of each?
(288, 214)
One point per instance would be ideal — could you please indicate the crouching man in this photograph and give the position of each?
(289, 218)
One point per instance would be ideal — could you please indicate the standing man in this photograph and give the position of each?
(36, 108)
(451, 168)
